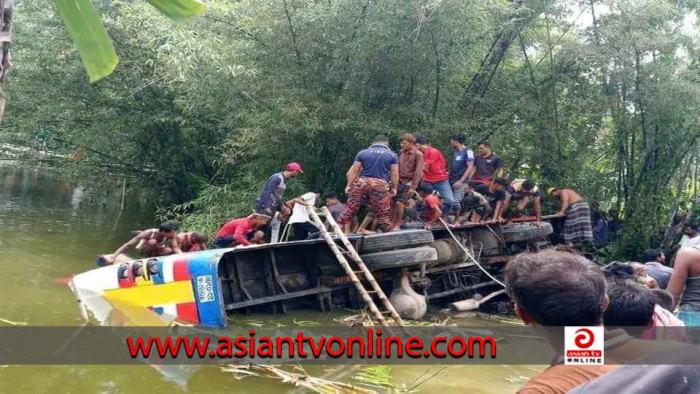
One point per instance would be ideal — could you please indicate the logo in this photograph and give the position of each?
(584, 345)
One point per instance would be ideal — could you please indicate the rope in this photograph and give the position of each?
(447, 227)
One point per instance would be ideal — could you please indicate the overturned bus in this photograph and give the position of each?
(416, 267)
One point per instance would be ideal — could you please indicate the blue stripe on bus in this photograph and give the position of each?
(204, 272)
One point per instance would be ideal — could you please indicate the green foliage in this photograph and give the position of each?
(202, 113)
(86, 30)
(92, 41)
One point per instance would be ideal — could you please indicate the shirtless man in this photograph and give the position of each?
(192, 241)
(577, 227)
(152, 242)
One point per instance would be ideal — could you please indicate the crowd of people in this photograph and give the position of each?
(653, 300)
(414, 187)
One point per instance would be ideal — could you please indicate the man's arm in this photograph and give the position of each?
(506, 203)
(352, 175)
(538, 208)
(679, 276)
(175, 245)
(497, 211)
(418, 174)
(394, 179)
(130, 243)
(467, 174)
(297, 200)
(565, 198)
(269, 189)
(239, 236)
(499, 172)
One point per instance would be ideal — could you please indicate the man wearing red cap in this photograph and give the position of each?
(270, 198)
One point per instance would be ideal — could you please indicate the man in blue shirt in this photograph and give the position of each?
(373, 177)
(461, 169)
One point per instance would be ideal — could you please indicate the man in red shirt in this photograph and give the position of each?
(237, 231)
(435, 173)
(429, 205)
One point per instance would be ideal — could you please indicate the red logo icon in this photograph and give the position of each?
(583, 345)
(584, 338)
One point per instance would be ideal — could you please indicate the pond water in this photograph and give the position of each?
(50, 229)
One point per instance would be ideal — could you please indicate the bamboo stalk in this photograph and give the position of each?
(346, 266)
(368, 274)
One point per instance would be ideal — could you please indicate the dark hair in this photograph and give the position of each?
(692, 224)
(528, 185)
(459, 138)
(557, 288)
(381, 138)
(330, 195)
(167, 227)
(652, 254)
(501, 181)
(471, 184)
(631, 305)
(677, 219)
(618, 270)
(484, 142)
(318, 190)
(663, 299)
(408, 137)
(424, 187)
(421, 140)
(199, 237)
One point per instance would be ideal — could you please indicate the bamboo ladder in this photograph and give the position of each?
(349, 250)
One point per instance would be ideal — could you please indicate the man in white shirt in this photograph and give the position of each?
(300, 221)
(691, 237)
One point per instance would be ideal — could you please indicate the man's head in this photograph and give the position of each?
(421, 143)
(167, 229)
(554, 192)
(639, 269)
(407, 141)
(484, 148)
(663, 299)
(292, 170)
(529, 186)
(499, 184)
(258, 220)
(618, 270)
(318, 191)
(199, 238)
(424, 189)
(631, 305)
(331, 199)
(690, 229)
(380, 139)
(655, 255)
(457, 141)
(469, 186)
(553, 288)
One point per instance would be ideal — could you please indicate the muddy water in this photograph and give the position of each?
(50, 229)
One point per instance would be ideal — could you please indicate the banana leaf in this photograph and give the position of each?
(178, 10)
(90, 37)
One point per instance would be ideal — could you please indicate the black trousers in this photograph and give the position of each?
(302, 231)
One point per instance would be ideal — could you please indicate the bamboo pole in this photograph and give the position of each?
(346, 266)
(368, 274)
